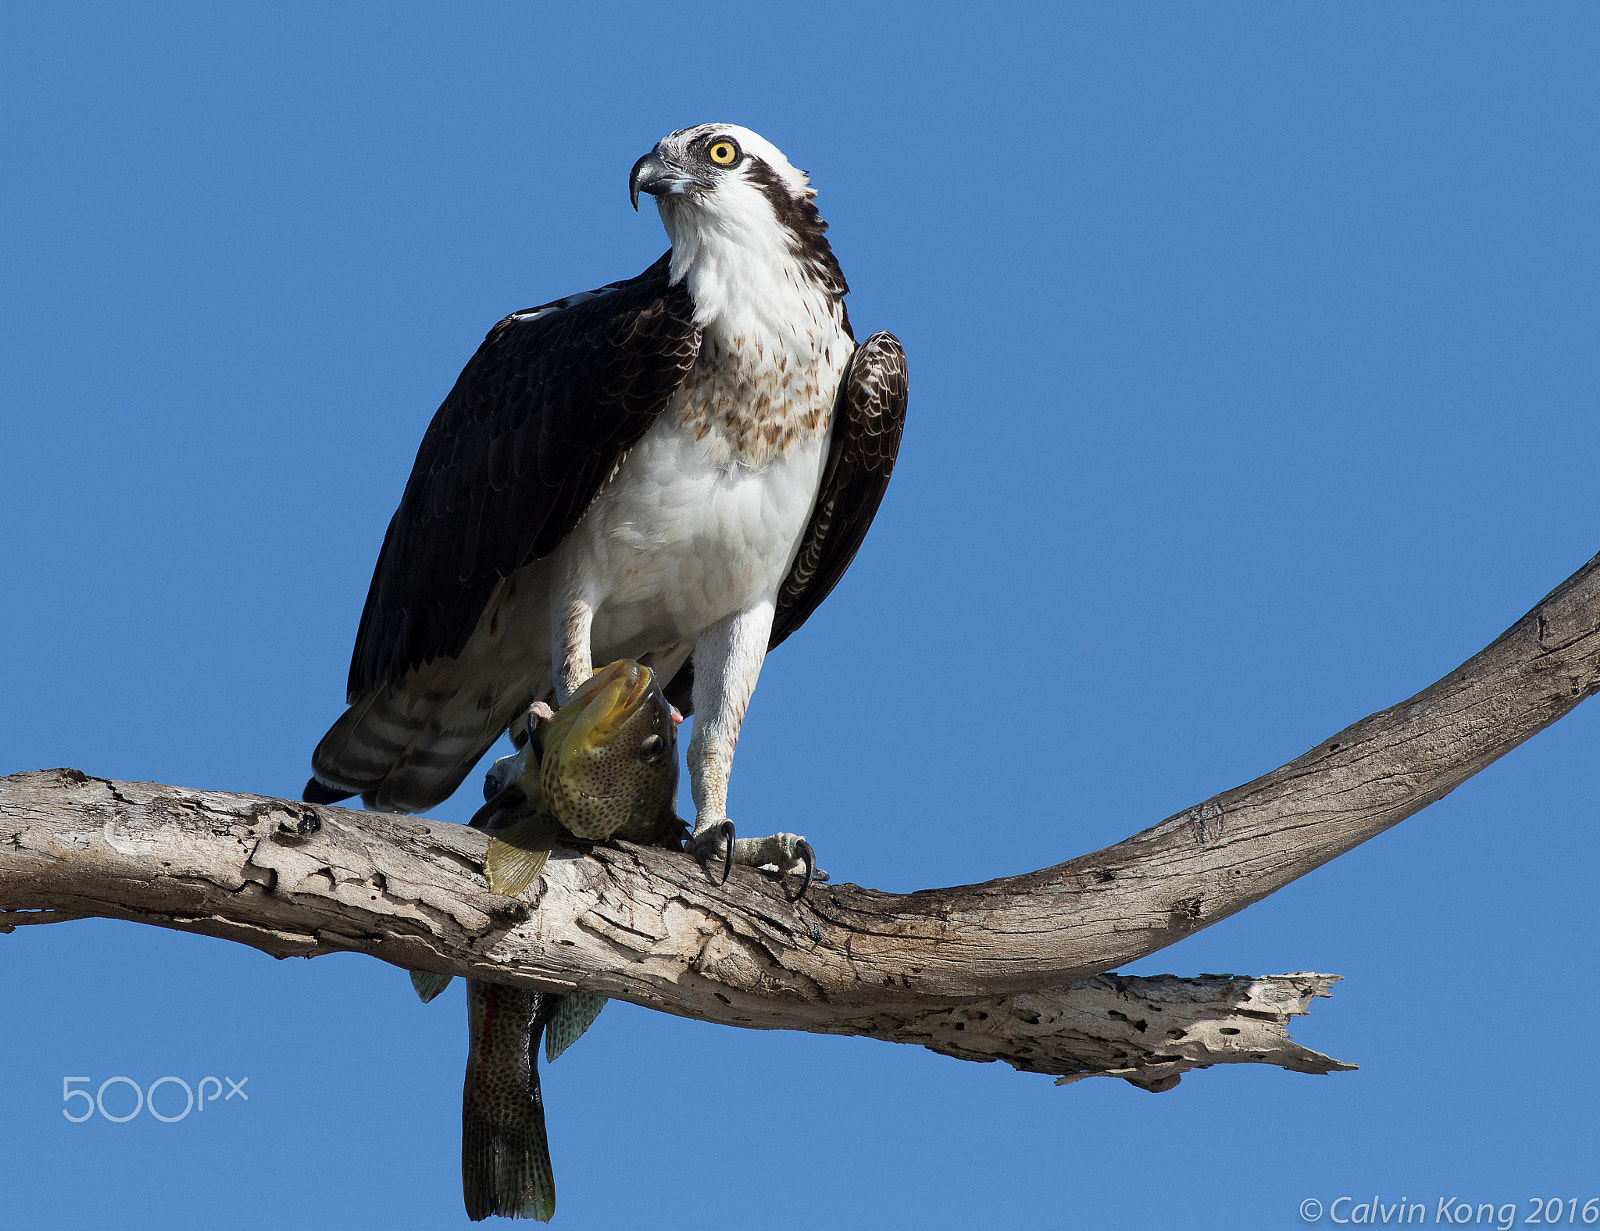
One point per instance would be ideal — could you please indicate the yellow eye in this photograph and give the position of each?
(723, 153)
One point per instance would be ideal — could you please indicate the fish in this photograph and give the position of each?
(505, 1152)
(604, 766)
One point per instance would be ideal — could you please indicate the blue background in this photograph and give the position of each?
(1254, 358)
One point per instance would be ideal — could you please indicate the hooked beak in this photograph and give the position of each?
(655, 175)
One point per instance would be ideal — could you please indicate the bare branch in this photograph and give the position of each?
(991, 971)
(1149, 1031)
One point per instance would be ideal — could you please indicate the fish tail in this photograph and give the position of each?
(505, 1153)
(505, 1168)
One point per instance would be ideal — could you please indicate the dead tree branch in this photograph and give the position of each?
(1000, 970)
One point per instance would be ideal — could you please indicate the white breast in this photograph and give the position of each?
(685, 535)
(704, 516)
(680, 540)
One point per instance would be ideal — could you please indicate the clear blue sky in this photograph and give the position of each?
(1254, 374)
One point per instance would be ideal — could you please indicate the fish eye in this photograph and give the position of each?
(723, 151)
(652, 747)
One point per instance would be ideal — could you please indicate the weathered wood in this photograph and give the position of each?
(647, 925)
(411, 891)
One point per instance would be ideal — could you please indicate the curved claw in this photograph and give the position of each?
(809, 856)
(726, 830)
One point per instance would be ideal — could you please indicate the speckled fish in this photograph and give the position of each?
(605, 766)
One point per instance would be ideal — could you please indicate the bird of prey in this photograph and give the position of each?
(675, 468)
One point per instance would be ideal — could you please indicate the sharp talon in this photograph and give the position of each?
(803, 849)
(726, 829)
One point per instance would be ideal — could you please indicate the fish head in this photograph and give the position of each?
(610, 755)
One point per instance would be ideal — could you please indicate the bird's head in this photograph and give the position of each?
(717, 168)
(720, 185)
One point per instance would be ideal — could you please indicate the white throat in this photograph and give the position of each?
(742, 273)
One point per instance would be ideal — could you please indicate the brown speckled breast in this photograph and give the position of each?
(757, 403)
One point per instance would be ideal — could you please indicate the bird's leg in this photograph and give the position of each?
(572, 656)
(727, 662)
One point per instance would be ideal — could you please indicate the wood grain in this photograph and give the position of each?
(1012, 969)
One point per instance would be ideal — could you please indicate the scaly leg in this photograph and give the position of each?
(727, 662)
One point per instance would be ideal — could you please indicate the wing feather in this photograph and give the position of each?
(868, 422)
(535, 424)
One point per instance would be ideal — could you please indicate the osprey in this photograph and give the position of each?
(675, 468)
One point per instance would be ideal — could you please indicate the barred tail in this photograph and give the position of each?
(408, 747)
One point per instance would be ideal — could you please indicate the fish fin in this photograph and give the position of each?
(428, 985)
(574, 1015)
(505, 1168)
(518, 852)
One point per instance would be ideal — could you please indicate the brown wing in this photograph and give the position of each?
(535, 424)
(868, 420)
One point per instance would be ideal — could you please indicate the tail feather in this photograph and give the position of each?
(418, 783)
(319, 792)
(408, 747)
